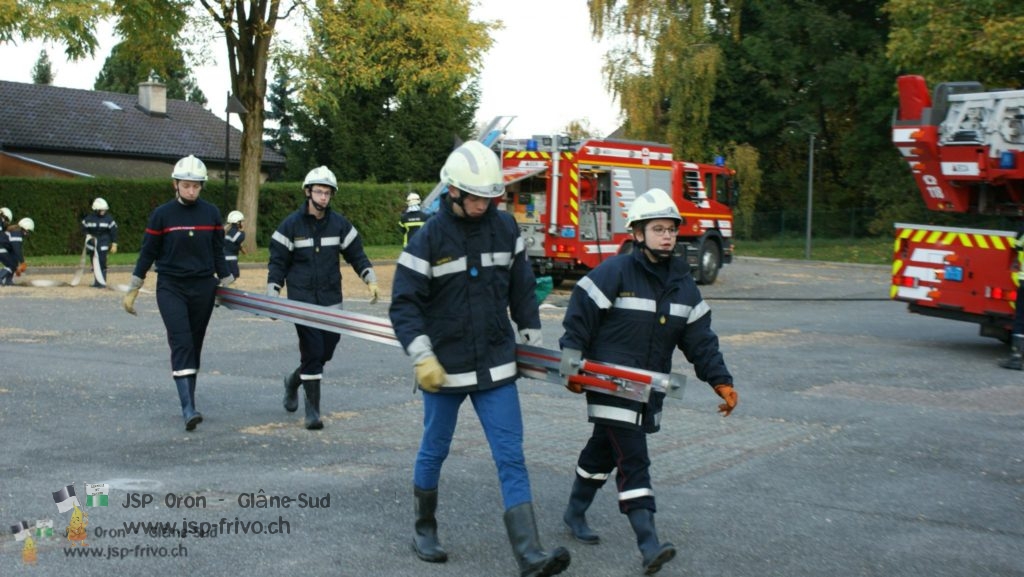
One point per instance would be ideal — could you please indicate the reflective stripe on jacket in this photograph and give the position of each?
(457, 283)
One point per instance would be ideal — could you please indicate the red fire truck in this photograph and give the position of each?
(965, 147)
(571, 198)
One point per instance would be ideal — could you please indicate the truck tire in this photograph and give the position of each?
(708, 262)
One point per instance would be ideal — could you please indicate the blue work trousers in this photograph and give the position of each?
(502, 421)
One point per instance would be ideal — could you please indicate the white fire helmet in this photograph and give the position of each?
(413, 199)
(27, 224)
(321, 175)
(189, 168)
(235, 217)
(8, 215)
(655, 203)
(100, 204)
(474, 168)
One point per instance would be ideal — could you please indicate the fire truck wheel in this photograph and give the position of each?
(710, 260)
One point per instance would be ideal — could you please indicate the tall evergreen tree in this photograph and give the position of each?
(122, 72)
(42, 72)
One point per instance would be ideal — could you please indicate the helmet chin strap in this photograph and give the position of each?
(319, 207)
(658, 254)
(182, 199)
(460, 201)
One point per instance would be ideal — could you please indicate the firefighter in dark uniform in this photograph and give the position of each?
(234, 236)
(1016, 359)
(634, 310)
(12, 255)
(185, 238)
(412, 218)
(100, 231)
(455, 286)
(304, 256)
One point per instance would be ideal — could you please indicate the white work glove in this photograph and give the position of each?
(227, 280)
(133, 292)
(273, 290)
(532, 337)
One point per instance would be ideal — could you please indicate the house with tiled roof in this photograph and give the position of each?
(49, 131)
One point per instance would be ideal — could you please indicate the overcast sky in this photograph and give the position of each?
(544, 68)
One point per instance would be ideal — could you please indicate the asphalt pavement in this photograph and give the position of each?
(867, 441)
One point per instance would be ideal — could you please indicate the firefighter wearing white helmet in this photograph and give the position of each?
(12, 255)
(457, 284)
(412, 218)
(184, 238)
(234, 237)
(100, 230)
(305, 255)
(6, 216)
(664, 311)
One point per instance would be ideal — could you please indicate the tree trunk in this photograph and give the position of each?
(249, 174)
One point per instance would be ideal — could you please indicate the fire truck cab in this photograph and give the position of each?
(571, 199)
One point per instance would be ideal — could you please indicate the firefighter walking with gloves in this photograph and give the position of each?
(185, 239)
(100, 231)
(12, 253)
(1016, 359)
(304, 256)
(634, 309)
(455, 285)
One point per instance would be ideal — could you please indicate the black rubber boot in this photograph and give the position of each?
(655, 554)
(522, 534)
(188, 411)
(312, 389)
(424, 541)
(291, 392)
(1016, 359)
(575, 514)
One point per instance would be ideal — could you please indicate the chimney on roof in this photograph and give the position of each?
(153, 98)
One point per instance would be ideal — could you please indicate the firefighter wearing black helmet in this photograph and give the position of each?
(635, 309)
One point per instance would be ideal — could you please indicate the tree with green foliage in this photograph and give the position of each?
(665, 73)
(68, 22)
(42, 71)
(151, 26)
(947, 40)
(279, 97)
(385, 86)
(122, 72)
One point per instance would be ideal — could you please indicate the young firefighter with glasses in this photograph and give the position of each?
(305, 254)
(635, 309)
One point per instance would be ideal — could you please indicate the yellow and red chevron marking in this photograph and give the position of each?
(574, 196)
(952, 238)
(527, 154)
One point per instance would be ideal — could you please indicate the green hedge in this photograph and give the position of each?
(57, 207)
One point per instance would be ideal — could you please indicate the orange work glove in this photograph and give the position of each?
(21, 268)
(729, 396)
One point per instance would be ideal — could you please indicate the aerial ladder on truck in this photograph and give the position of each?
(965, 148)
(488, 135)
